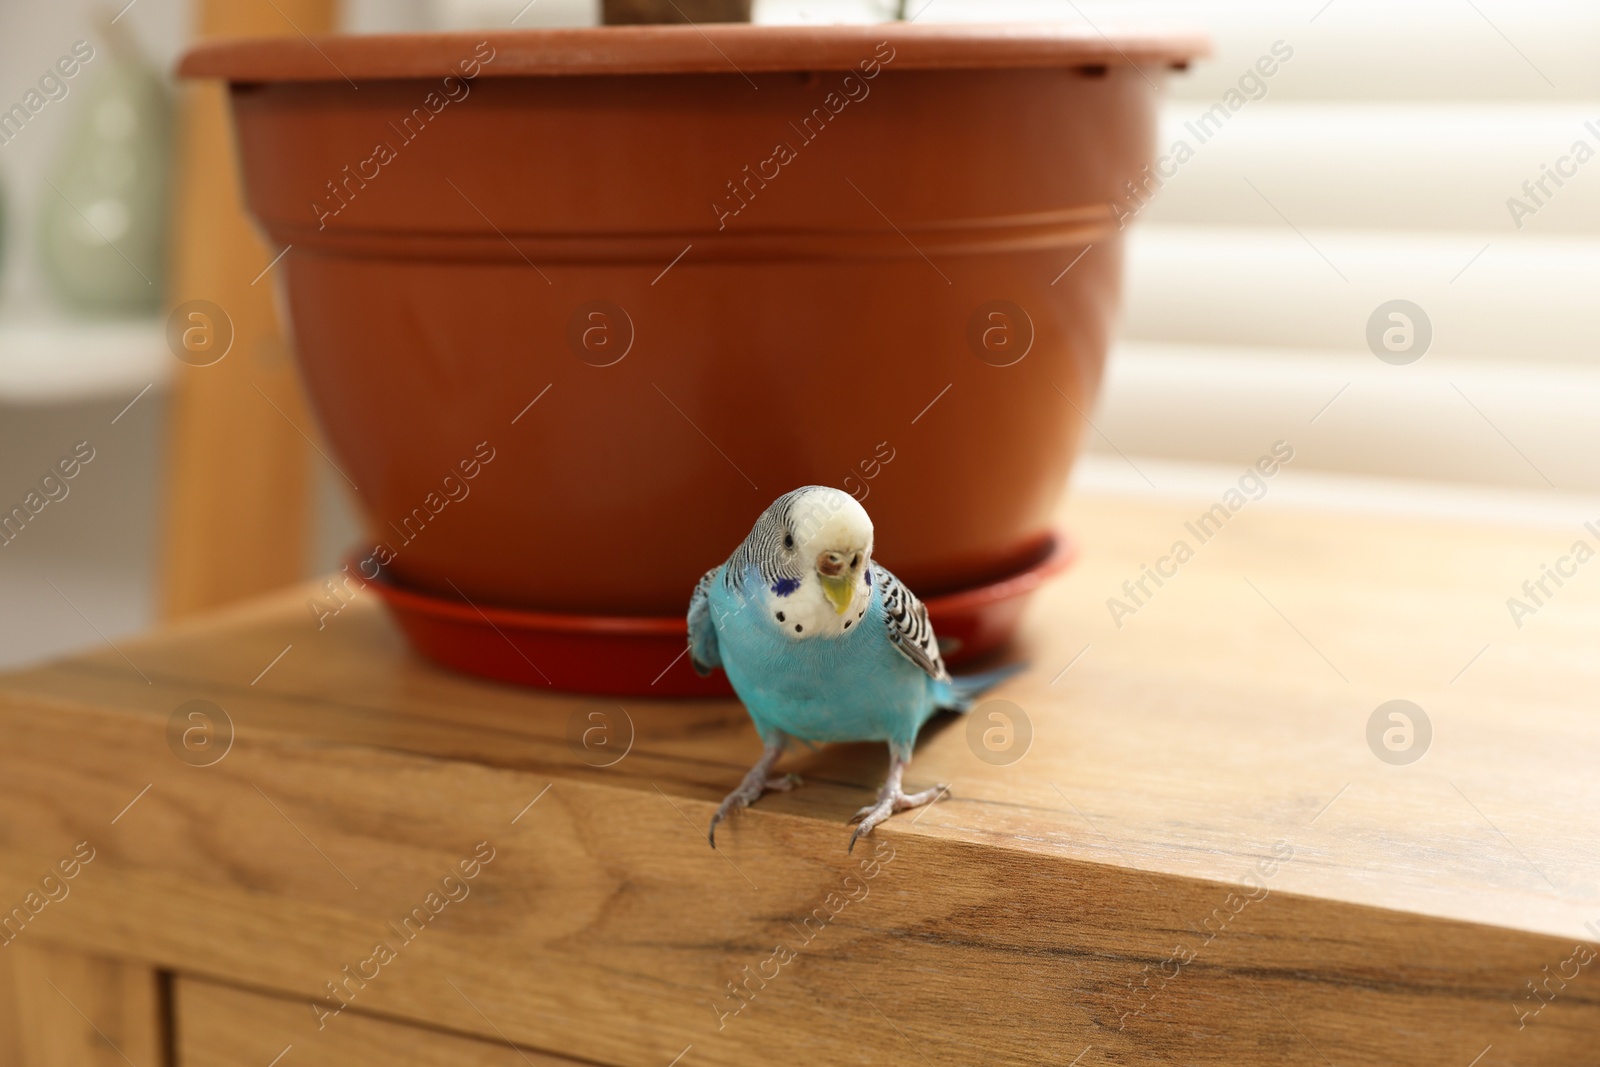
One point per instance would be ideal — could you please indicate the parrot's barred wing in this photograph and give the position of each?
(703, 652)
(906, 619)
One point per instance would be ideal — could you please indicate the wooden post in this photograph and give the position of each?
(238, 507)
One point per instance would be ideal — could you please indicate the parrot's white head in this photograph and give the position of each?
(818, 544)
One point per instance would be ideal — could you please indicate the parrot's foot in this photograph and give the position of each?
(759, 780)
(890, 804)
(873, 814)
(891, 799)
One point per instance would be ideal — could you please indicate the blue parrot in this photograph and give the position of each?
(822, 644)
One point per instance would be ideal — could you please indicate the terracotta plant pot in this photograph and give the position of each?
(637, 12)
(573, 306)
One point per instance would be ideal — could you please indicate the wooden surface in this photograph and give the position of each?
(237, 467)
(60, 1008)
(1025, 919)
(221, 1026)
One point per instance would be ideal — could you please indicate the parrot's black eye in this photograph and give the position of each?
(788, 540)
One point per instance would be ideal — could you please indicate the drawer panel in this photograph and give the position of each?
(222, 1026)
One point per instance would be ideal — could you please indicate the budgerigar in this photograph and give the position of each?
(822, 644)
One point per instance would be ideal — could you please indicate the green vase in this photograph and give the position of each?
(103, 223)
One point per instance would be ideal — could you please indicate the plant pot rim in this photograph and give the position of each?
(725, 48)
(643, 656)
(1053, 555)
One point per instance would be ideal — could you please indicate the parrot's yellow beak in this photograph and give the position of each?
(839, 591)
(837, 573)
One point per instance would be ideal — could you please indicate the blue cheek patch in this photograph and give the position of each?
(785, 586)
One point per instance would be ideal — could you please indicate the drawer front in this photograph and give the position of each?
(221, 1026)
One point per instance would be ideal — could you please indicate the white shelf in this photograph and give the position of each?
(55, 360)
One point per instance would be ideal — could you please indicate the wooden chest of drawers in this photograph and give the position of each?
(1198, 859)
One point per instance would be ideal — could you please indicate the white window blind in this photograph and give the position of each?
(1444, 153)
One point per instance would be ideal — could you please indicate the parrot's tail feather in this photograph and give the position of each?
(967, 688)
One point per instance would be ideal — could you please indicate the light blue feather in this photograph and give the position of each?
(858, 686)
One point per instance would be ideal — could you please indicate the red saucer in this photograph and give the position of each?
(645, 656)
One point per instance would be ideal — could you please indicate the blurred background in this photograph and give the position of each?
(1439, 153)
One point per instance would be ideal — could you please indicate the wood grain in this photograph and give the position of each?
(1093, 895)
(238, 481)
(60, 1008)
(221, 1026)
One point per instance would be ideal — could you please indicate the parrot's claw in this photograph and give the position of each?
(888, 803)
(759, 780)
(891, 798)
